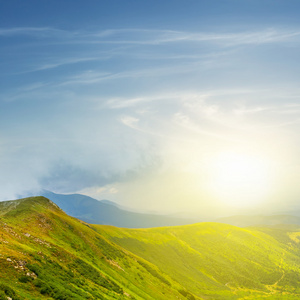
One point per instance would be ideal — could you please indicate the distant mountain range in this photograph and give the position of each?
(109, 213)
(46, 254)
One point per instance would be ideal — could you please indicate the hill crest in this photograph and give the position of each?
(47, 254)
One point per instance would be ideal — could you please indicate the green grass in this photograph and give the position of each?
(67, 259)
(218, 261)
(46, 254)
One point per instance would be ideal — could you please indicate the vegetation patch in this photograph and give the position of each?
(153, 272)
(186, 294)
(6, 291)
(94, 275)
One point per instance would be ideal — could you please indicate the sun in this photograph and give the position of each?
(240, 180)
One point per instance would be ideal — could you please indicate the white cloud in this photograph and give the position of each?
(61, 62)
(108, 114)
(130, 121)
(42, 32)
(155, 37)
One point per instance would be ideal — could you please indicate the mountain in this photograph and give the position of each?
(111, 203)
(245, 221)
(46, 254)
(106, 212)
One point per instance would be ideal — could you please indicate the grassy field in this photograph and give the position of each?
(46, 254)
(219, 261)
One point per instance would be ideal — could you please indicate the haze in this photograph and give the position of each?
(167, 106)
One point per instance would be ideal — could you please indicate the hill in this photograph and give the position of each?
(245, 221)
(220, 261)
(46, 254)
(106, 212)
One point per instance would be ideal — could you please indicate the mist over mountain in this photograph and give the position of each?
(254, 220)
(109, 213)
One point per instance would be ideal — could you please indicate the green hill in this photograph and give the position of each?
(46, 254)
(219, 261)
(246, 221)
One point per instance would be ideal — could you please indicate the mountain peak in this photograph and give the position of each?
(25, 205)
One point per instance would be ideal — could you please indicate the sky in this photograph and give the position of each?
(165, 106)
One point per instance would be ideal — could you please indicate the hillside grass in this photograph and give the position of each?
(46, 254)
(219, 261)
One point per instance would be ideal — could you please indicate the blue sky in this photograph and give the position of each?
(133, 101)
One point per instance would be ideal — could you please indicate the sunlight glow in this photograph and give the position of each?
(241, 180)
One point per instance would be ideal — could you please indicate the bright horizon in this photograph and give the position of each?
(167, 107)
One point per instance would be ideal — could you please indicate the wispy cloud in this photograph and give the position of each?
(91, 76)
(41, 32)
(154, 37)
(240, 38)
(125, 102)
(137, 45)
(130, 121)
(186, 122)
(62, 62)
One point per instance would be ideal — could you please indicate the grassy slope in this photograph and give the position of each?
(246, 221)
(219, 261)
(46, 254)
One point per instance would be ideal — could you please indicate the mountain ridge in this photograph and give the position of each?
(101, 212)
(39, 239)
(256, 220)
(106, 212)
(46, 254)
